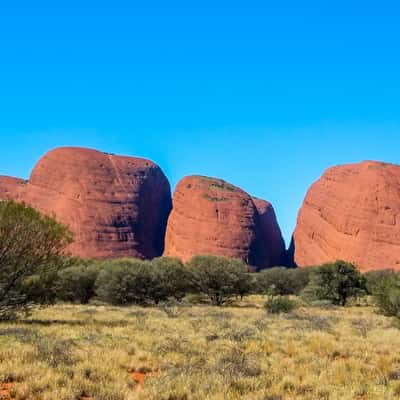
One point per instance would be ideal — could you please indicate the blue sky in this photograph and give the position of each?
(263, 94)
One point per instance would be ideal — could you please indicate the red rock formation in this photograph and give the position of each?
(11, 188)
(116, 206)
(211, 216)
(352, 213)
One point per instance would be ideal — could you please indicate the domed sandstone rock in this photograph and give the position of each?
(211, 216)
(116, 206)
(351, 213)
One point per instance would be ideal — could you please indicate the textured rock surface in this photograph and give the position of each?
(211, 216)
(352, 213)
(11, 188)
(116, 206)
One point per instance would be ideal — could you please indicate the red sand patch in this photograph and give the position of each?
(5, 389)
(140, 377)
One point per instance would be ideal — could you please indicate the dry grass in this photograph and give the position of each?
(201, 352)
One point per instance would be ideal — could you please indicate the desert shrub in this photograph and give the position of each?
(172, 279)
(282, 281)
(301, 278)
(56, 353)
(312, 322)
(77, 283)
(42, 288)
(335, 282)
(31, 244)
(361, 326)
(374, 279)
(125, 282)
(130, 281)
(235, 363)
(219, 278)
(171, 308)
(387, 295)
(280, 304)
(23, 335)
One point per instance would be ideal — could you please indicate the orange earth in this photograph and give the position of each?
(5, 389)
(139, 377)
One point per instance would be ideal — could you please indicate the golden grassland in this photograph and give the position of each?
(201, 352)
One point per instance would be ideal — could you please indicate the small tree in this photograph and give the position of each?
(336, 283)
(172, 278)
(245, 285)
(219, 278)
(30, 244)
(274, 281)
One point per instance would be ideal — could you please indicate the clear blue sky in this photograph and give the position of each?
(263, 94)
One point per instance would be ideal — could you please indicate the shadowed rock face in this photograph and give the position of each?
(116, 206)
(211, 216)
(351, 213)
(271, 246)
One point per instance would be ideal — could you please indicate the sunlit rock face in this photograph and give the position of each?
(351, 213)
(211, 216)
(115, 206)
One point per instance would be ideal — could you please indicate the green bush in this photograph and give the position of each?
(77, 283)
(335, 282)
(301, 278)
(374, 279)
(125, 282)
(387, 295)
(172, 279)
(40, 288)
(282, 281)
(279, 304)
(219, 278)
